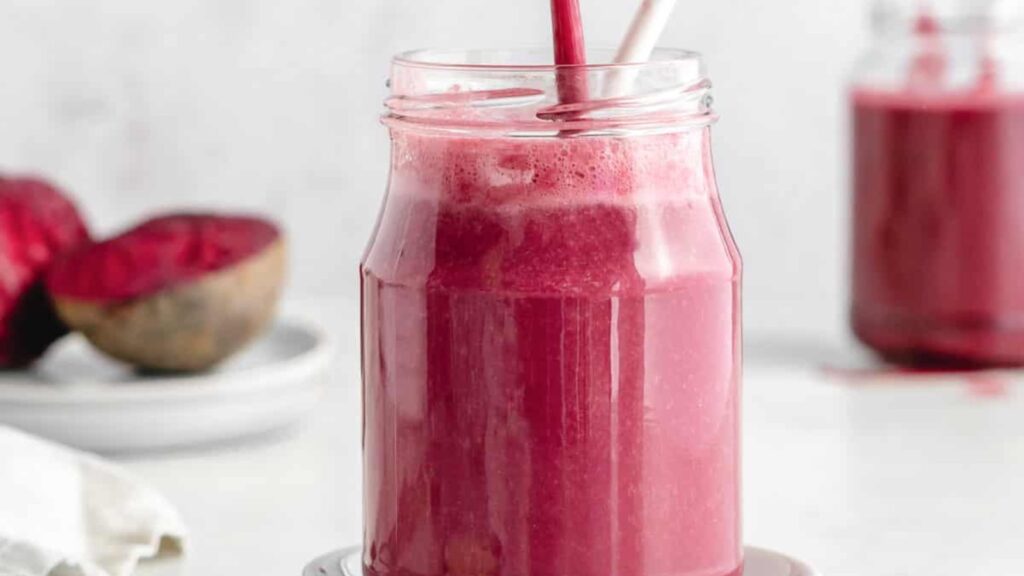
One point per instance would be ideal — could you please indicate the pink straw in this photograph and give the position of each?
(570, 50)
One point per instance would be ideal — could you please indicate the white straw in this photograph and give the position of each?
(638, 45)
(647, 27)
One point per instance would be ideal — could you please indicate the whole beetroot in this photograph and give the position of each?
(177, 293)
(38, 223)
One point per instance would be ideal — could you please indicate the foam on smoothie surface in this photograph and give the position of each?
(507, 171)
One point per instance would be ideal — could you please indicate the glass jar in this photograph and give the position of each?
(551, 325)
(938, 182)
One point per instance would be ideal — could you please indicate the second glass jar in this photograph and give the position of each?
(938, 118)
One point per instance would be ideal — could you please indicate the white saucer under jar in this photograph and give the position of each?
(757, 562)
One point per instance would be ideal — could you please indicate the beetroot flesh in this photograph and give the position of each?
(37, 224)
(159, 254)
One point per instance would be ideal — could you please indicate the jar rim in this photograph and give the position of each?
(951, 17)
(492, 60)
(518, 92)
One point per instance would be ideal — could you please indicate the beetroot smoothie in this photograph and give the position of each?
(939, 225)
(551, 337)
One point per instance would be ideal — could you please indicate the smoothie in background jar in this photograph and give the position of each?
(938, 229)
(551, 331)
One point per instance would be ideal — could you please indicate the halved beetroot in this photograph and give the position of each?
(177, 293)
(37, 224)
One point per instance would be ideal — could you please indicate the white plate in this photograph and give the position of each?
(77, 397)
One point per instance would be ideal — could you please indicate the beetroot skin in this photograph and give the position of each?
(177, 293)
(37, 224)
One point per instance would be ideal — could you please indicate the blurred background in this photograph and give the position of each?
(135, 105)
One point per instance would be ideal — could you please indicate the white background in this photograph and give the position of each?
(137, 105)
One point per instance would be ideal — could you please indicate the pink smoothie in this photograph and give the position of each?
(939, 225)
(551, 361)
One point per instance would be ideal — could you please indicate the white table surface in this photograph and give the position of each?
(855, 473)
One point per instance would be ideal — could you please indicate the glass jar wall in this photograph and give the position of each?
(551, 326)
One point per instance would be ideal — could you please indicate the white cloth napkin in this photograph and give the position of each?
(70, 514)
